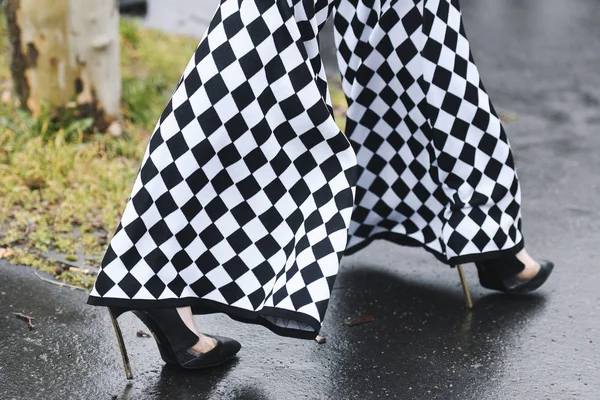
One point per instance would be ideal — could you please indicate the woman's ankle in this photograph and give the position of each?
(188, 318)
(532, 267)
(204, 345)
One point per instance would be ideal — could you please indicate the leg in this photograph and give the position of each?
(205, 343)
(244, 196)
(532, 267)
(435, 165)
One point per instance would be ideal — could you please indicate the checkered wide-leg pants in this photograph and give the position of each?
(249, 194)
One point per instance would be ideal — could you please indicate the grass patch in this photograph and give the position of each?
(63, 185)
(63, 188)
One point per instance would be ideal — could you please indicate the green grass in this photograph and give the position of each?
(64, 184)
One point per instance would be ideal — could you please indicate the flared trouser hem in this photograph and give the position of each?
(249, 193)
(404, 240)
(203, 306)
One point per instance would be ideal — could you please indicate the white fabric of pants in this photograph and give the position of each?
(249, 194)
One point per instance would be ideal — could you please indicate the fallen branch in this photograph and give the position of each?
(26, 318)
(58, 283)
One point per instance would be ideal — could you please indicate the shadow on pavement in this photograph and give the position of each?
(423, 341)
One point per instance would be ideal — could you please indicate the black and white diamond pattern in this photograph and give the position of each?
(435, 165)
(246, 190)
(245, 196)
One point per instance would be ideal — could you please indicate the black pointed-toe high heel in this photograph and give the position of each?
(174, 340)
(501, 274)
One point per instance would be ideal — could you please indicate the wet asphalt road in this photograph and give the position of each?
(540, 61)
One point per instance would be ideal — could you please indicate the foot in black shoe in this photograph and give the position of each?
(177, 343)
(506, 274)
(224, 350)
(520, 286)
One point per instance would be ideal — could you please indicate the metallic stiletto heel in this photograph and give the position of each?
(124, 355)
(174, 340)
(465, 287)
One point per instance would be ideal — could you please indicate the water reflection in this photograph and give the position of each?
(423, 341)
(198, 384)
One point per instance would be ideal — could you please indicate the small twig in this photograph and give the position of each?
(59, 258)
(15, 242)
(58, 283)
(83, 271)
(26, 318)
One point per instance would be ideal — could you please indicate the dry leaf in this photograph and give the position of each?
(6, 253)
(359, 320)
